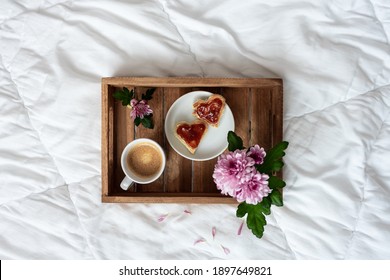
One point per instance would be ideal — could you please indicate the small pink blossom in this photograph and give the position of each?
(213, 232)
(139, 109)
(257, 153)
(187, 212)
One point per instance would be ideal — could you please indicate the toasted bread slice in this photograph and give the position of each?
(190, 134)
(210, 110)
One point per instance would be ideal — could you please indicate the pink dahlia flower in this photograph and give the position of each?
(232, 169)
(235, 174)
(140, 109)
(257, 153)
(254, 190)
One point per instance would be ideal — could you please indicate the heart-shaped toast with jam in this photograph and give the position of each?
(190, 134)
(210, 110)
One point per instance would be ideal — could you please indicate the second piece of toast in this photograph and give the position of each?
(190, 134)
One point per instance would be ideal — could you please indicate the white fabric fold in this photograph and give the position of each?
(333, 56)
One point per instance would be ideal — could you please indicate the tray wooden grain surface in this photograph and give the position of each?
(257, 106)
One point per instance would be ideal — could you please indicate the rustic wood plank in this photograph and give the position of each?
(193, 82)
(119, 129)
(201, 198)
(238, 100)
(178, 170)
(203, 176)
(277, 128)
(261, 118)
(105, 141)
(130, 127)
(277, 111)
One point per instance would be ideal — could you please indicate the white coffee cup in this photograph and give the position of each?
(143, 161)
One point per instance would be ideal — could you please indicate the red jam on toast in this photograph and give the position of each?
(190, 134)
(210, 110)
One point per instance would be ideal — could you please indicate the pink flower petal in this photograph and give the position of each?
(187, 212)
(226, 250)
(240, 228)
(140, 109)
(200, 240)
(162, 218)
(257, 153)
(213, 231)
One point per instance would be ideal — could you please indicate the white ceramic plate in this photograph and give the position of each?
(213, 143)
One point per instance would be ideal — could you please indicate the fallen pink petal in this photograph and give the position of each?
(240, 228)
(188, 212)
(200, 240)
(226, 250)
(162, 218)
(213, 231)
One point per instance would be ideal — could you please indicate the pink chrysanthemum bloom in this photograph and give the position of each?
(139, 109)
(232, 169)
(257, 153)
(253, 191)
(235, 174)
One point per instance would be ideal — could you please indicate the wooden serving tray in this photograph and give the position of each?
(257, 106)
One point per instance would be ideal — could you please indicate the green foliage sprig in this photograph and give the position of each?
(126, 96)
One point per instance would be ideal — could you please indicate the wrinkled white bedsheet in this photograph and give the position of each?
(334, 58)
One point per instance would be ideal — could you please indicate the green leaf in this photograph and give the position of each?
(149, 94)
(147, 121)
(256, 222)
(278, 150)
(265, 205)
(126, 90)
(276, 198)
(273, 159)
(277, 165)
(255, 219)
(242, 210)
(119, 95)
(276, 183)
(124, 95)
(137, 121)
(235, 142)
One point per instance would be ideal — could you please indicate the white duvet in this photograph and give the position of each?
(333, 56)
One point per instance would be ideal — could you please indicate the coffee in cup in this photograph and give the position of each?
(143, 161)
